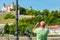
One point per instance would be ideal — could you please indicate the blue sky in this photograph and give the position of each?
(36, 4)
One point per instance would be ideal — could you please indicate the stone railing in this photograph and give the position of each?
(26, 38)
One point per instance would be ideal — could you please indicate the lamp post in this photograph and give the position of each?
(17, 20)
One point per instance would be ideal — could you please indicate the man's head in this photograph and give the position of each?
(42, 23)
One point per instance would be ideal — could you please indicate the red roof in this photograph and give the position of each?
(54, 27)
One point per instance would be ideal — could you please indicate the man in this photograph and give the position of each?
(41, 31)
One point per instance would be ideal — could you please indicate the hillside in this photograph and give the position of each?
(4, 21)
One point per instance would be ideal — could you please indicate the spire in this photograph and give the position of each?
(12, 3)
(30, 7)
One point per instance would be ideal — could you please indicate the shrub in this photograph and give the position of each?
(6, 28)
(9, 16)
(0, 31)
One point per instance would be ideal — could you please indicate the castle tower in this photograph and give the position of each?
(3, 5)
(8, 8)
(4, 8)
(12, 5)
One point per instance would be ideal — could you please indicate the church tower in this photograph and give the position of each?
(30, 7)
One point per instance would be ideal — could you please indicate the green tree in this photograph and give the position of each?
(45, 12)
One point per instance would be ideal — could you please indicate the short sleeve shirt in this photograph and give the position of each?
(41, 33)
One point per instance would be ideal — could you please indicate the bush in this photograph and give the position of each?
(9, 16)
(25, 23)
(0, 31)
(6, 28)
(9, 29)
(12, 29)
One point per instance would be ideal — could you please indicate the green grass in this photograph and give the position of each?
(4, 21)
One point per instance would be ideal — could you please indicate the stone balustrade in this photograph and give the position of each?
(26, 38)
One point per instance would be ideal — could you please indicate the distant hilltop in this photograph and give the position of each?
(7, 8)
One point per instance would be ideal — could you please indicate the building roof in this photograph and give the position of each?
(54, 27)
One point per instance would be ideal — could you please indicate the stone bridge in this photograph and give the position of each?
(26, 38)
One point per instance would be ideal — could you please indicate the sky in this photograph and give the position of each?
(36, 4)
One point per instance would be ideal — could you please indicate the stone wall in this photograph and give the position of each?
(4, 13)
(26, 38)
(19, 16)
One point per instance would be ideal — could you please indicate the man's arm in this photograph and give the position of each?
(35, 27)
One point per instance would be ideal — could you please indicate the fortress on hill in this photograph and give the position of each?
(7, 8)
